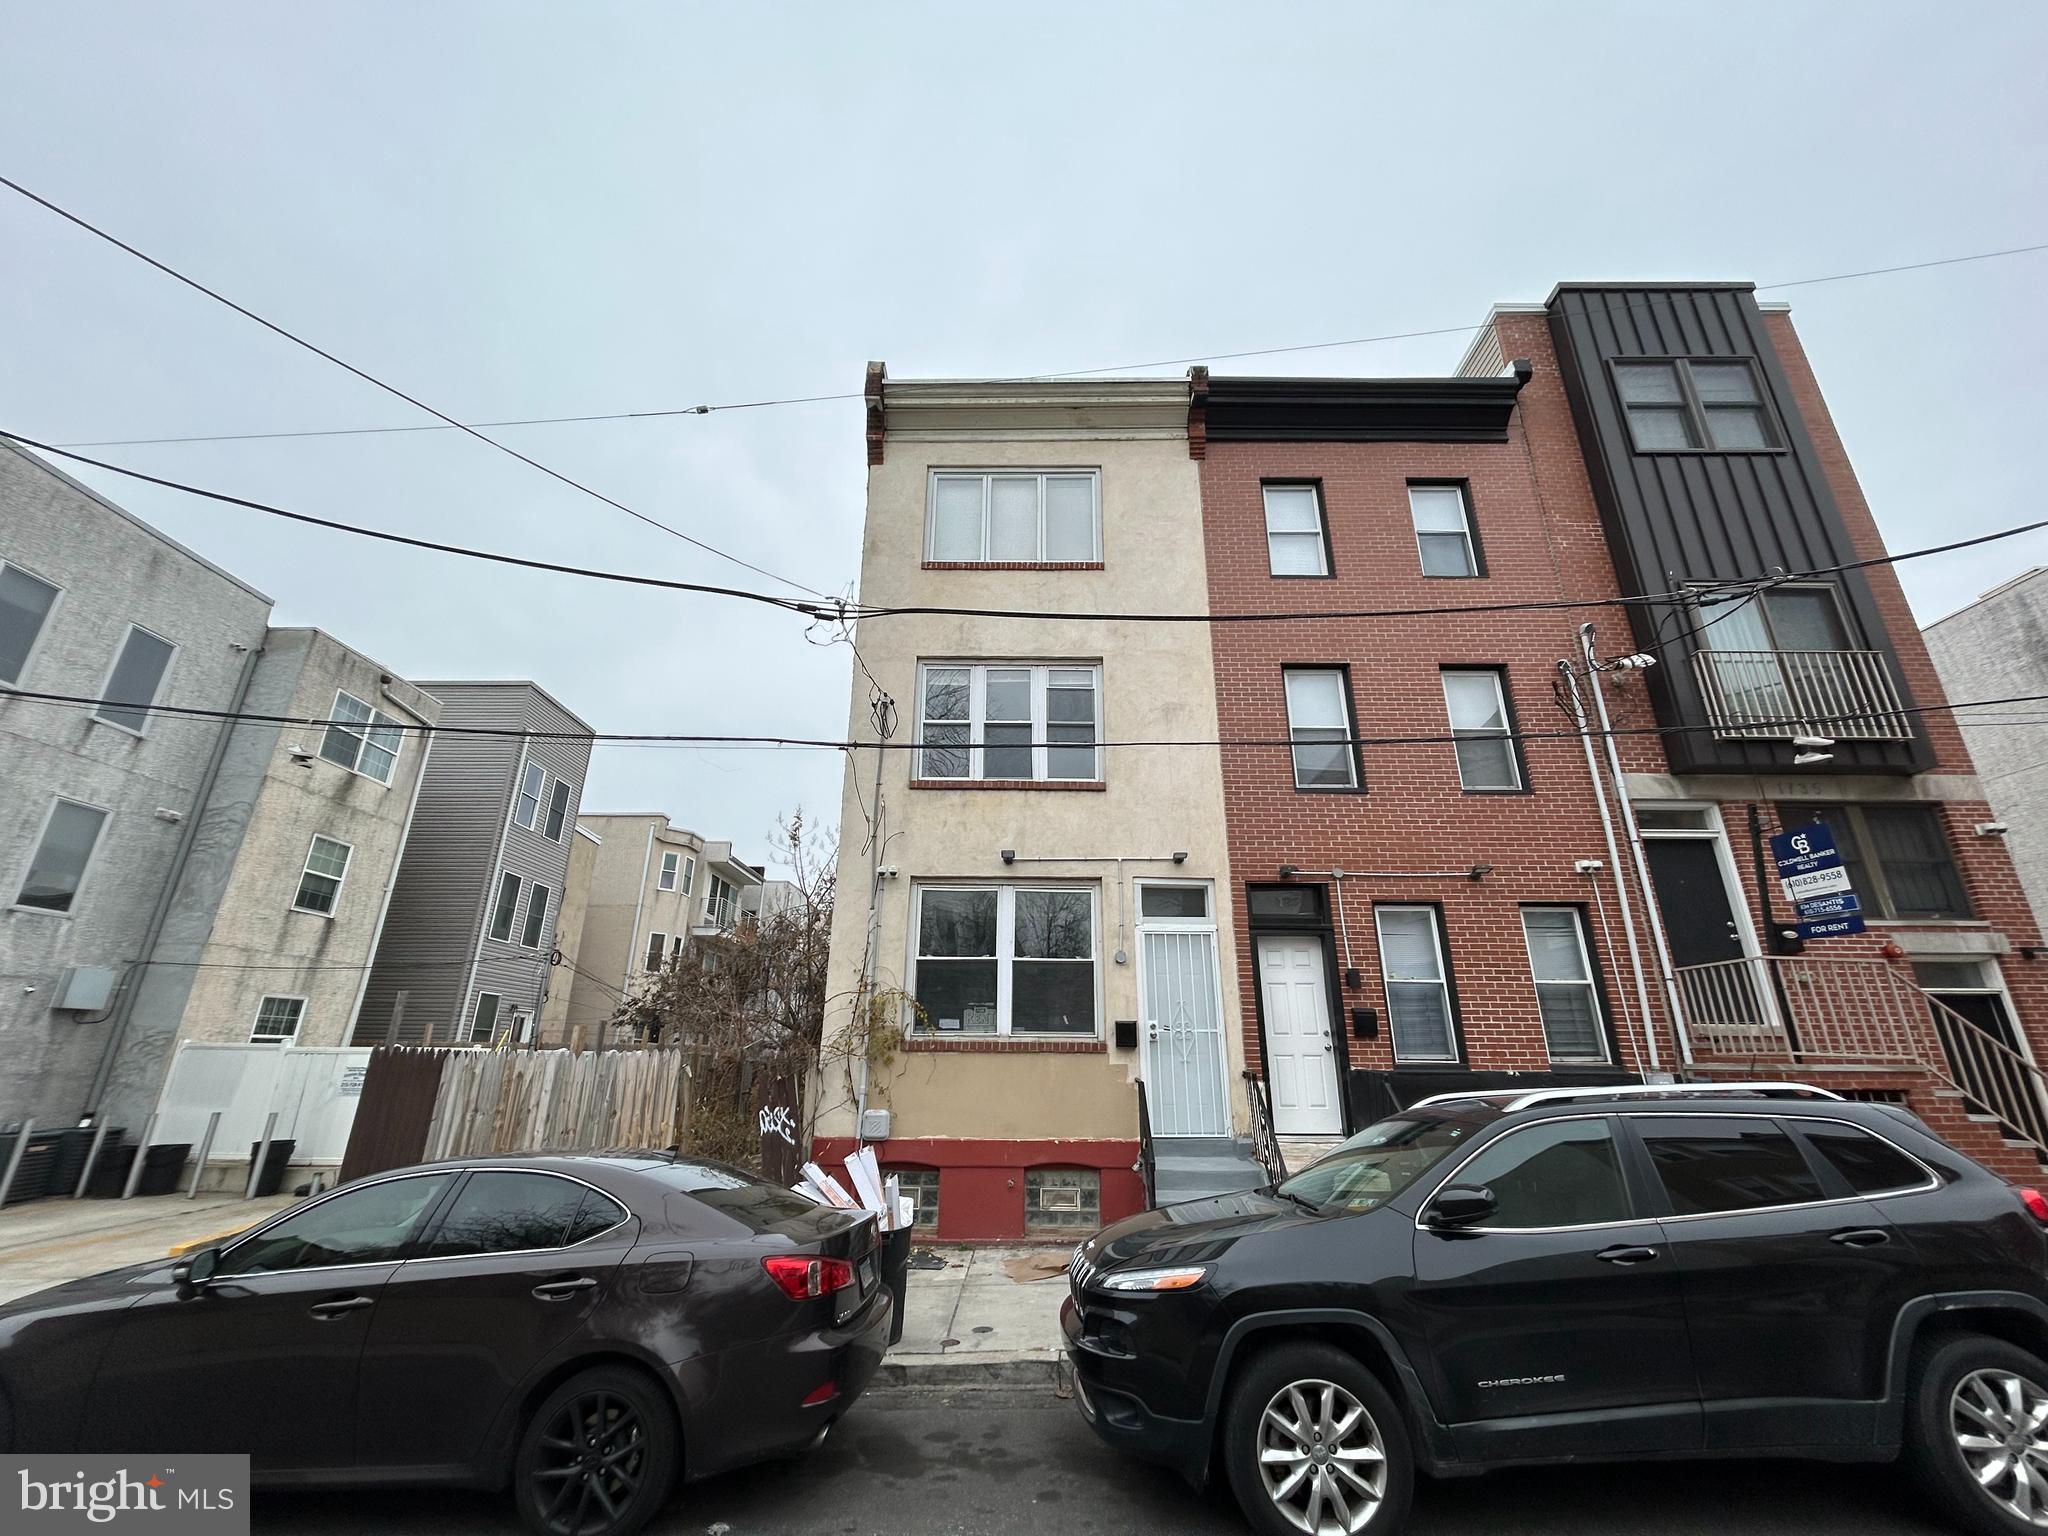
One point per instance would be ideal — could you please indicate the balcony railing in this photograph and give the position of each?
(1846, 695)
(1803, 1008)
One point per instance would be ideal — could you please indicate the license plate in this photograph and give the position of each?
(867, 1274)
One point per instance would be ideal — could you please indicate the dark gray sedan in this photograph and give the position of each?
(588, 1328)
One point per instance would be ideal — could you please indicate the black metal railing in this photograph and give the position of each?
(1265, 1144)
(1146, 1168)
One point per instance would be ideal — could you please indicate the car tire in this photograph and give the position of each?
(1341, 1441)
(1962, 1395)
(598, 1456)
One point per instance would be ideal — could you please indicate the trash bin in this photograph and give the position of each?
(896, 1275)
(72, 1145)
(32, 1178)
(272, 1177)
(161, 1165)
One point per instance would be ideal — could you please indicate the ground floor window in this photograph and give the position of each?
(483, 1020)
(1005, 960)
(1062, 1198)
(1417, 980)
(1565, 993)
(922, 1185)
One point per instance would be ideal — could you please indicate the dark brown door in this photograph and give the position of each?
(1693, 900)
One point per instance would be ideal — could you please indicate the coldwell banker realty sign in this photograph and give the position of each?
(179, 1496)
(1816, 883)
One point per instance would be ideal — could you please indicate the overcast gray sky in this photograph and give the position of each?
(521, 210)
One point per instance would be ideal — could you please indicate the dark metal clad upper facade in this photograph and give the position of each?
(1688, 515)
(1455, 410)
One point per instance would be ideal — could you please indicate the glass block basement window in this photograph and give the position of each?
(1062, 1198)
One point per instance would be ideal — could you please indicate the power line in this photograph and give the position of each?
(1072, 373)
(392, 389)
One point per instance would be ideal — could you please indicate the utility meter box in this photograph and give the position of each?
(85, 989)
(874, 1125)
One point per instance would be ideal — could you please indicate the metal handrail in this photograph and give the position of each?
(1847, 695)
(1147, 1169)
(1265, 1142)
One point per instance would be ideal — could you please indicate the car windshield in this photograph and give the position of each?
(1382, 1160)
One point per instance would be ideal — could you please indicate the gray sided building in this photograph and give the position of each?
(97, 805)
(464, 956)
(1997, 648)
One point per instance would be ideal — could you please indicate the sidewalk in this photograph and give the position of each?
(981, 1319)
(46, 1242)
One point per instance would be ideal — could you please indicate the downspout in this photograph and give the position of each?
(1628, 921)
(160, 913)
(633, 950)
(391, 881)
(1662, 948)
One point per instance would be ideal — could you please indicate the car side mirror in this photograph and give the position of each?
(1460, 1205)
(198, 1269)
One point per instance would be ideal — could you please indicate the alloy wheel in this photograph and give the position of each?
(1321, 1458)
(2000, 1423)
(592, 1457)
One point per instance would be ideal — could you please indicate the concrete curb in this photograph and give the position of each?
(1032, 1368)
(179, 1250)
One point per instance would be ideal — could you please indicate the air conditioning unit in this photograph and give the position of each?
(874, 1124)
(86, 989)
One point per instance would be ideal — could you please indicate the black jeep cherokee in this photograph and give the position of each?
(1485, 1281)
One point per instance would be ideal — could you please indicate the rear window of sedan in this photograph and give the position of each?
(754, 1203)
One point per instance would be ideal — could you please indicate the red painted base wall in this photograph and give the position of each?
(981, 1183)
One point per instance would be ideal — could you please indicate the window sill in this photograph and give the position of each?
(22, 906)
(115, 725)
(1085, 785)
(311, 912)
(1012, 565)
(1006, 1045)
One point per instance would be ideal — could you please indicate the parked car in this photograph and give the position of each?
(588, 1328)
(1573, 1275)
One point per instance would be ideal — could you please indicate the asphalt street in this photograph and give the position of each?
(1008, 1462)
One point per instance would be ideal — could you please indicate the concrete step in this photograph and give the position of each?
(1164, 1147)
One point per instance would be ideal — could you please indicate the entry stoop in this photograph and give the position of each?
(1195, 1167)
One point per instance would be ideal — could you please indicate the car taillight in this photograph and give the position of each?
(803, 1279)
(2036, 1204)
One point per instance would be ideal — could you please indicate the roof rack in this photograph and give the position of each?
(1516, 1100)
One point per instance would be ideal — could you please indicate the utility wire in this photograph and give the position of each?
(1072, 373)
(392, 389)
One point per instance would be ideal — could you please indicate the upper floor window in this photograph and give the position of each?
(507, 905)
(533, 781)
(722, 903)
(657, 947)
(1897, 857)
(1319, 727)
(558, 810)
(669, 864)
(1014, 517)
(1788, 618)
(1005, 959)
(536, 917)
(320, 881)
(1023, 722)
(57, 869)
(277, 1018)
(1295, 543)
(361, 739)
(1443, 530)
(689, 874)
(1690, 404)
(1477, 702)
(137, 675)
(25, 605)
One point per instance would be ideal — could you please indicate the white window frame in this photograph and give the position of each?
(498, 901)
(657, 950)
(476, 1007)
(358, 731)
(977, 709)
(1463, 492)
(937, 472)
(156, 693)
(84, 874)
(1348, 724)
(1591, 983)
(671, 867)
(347, 863)
(531, 934)
(35, 643)
(1005, 956)
(689, 873)
(527, 769)
(721, 902)
(1321, 531)
(1506, 733)
(558, 797)
(1206, 924)
(1443, 979)
(298, 1019)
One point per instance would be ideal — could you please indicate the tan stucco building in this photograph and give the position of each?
(1045, 902)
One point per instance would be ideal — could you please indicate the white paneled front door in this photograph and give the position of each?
(1301, 1049)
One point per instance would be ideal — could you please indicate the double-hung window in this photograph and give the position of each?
(506, 908)
(1477, 702)
(1006, 960)
(1566, 998)
(1018, 723)
(1295, 545)
(689, 874)
(558, 811)
(320, 881)
(657, 950)
(1014, 517)
(25, 605)
(669, 864)
(137, 677)
(1319, 728)
(1897, 858)
(536, 916)
(1417, 980)
(483, 1018)
(278, 1018)
(57, 869)
(362, 739)
(533, 783)
(1694, 404)
(1443, 530)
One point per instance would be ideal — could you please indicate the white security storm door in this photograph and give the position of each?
(1182, 1018)
(1301, 1050)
